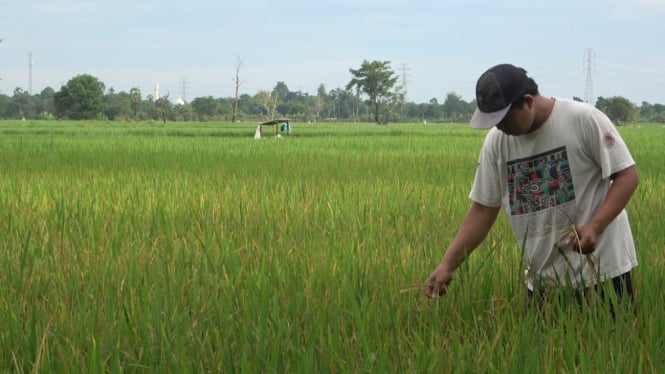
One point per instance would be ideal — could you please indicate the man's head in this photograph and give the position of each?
(499, 89)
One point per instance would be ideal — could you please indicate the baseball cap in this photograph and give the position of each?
(496, 90)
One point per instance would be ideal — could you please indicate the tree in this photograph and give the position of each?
(117, 106)
(237, 82)
(376, 80)
(282, 91)
(455, 109)
(619, 109)
(659, 113)
(183, 112)
(206, 108)
(45, 107)
(646, 111)
(320, 101)
(248, 105)
(135, 97)
(5, 102)
(23, 107)
(80, 98)
(164, 108)
(433, 110)
(339, 104)
(268, 101)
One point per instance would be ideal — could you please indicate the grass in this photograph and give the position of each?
(193, 247)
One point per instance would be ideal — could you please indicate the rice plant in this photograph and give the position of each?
(196, 248)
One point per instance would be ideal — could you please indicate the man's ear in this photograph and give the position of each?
(529, 100)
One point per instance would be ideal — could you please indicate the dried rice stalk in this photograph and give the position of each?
(561, 244)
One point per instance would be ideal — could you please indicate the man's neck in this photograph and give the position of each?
(543, 107)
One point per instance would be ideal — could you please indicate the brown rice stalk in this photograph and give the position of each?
(563, 236)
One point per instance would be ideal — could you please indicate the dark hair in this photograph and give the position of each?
(532, 89)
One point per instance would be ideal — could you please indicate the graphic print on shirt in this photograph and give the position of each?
(538, 183)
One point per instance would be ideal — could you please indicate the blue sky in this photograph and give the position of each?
(442, 46)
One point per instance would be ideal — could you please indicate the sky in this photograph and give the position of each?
(190, 49)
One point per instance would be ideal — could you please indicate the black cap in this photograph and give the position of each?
(496, 90)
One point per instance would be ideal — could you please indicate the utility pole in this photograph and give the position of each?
(588, 68)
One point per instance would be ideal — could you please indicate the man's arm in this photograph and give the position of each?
(473, 230)
(624, 184)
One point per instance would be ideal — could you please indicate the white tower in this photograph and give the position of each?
(156, 91)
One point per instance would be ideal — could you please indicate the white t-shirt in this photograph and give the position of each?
(552, 178)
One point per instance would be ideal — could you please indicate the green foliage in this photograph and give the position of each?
(652, 112)
(375, 79)
(455, 109)
(206, 108)
(80, 98)
(117, 106)
(619, 109)
(194, 248)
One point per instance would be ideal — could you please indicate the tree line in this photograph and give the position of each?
(372, 95)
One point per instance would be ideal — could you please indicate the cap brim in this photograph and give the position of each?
(482, 120)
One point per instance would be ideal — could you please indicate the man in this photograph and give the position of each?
(563, 176)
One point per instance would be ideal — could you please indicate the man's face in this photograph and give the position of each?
(518, 120)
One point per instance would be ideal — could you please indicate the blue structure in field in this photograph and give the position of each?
(285, 128)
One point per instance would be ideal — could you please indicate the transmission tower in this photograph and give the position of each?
(30, 73)
(0, 42)
(588, 68)
(404, 89)
(405, 69)
(183, 88)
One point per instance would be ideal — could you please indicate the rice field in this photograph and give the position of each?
(185, 247)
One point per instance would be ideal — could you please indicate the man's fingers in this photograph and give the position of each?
(432, 291)
(433, 294)
(584, 244)
(588, 249)
(437, 284)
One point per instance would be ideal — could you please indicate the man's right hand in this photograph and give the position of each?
(438, 281)
(475, 225)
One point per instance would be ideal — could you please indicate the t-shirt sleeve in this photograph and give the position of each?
(607, 145)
